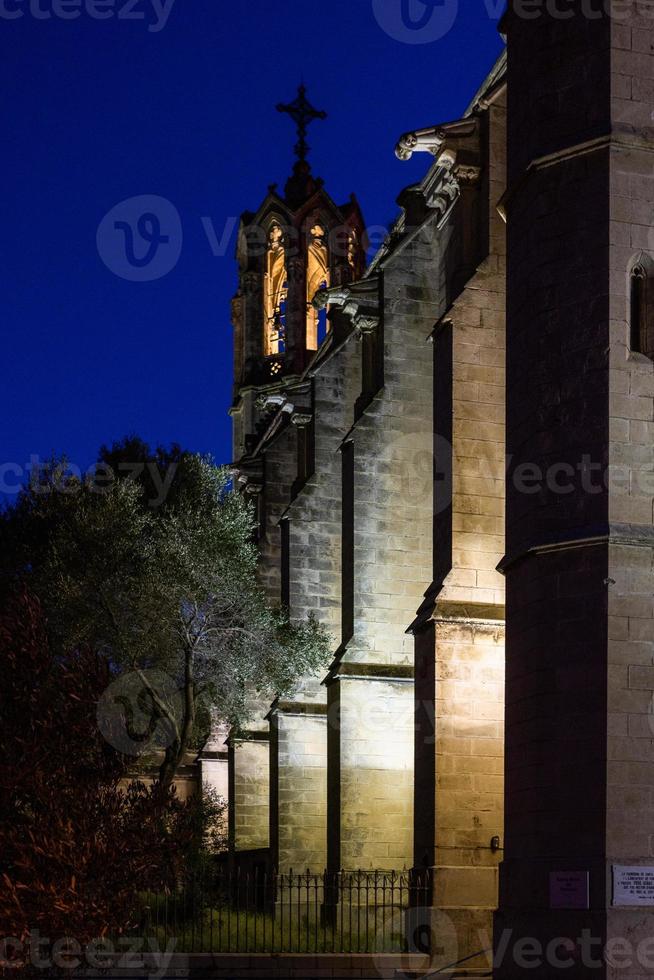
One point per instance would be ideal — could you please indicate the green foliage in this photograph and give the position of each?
(171, 587)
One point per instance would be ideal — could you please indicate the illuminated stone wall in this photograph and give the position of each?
(375, 772)
(299, 769)
(371, 681)
(251, 817)
(366, 544)
(459, 632)
(248, 792)
(299, 723)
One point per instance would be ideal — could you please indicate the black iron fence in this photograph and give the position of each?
(226, 911)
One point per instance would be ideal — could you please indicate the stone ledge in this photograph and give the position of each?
(362, 966)
(370, 672)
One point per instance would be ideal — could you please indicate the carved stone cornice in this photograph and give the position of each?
(442, 196)
(447, 144)
(440, 187)
(301, 419)
(365, 325)
(358, 300)
(433, 138)
(279, 401)
(422, 141)
(385, 673)
(443, 183)
(467, 175)
(249, 476)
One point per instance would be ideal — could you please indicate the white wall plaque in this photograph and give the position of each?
(633, 885)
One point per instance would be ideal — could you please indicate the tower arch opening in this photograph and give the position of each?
(318, 277)
(275, 291)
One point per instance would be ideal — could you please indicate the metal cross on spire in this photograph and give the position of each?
(302, 113)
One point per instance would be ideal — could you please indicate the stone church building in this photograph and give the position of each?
(450, 452)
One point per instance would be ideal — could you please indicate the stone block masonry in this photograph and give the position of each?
(579, 562)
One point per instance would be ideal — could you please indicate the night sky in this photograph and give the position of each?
(98, 111)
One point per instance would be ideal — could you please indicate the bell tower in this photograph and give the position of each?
(295, 244)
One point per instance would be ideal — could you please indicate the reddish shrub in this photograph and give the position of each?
(75, 850)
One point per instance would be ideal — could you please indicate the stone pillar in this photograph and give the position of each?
(249, 788)
(298, 786)
(252, 313)
(371, 767)
(239, 338)
(459, 761)
(296, 312)
(213, 761)
(580, 545)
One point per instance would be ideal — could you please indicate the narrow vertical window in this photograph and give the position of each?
(371, 330)
(372, 364)
(285, 595)
(259, 517)
(317, 278)
(352, 250)
(305, 451)
(638, 307)
(276, 290)
(347, 539)
(443, 402)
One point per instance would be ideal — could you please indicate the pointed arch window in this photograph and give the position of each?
(641, 308)
(352, 249)
(317, 278)
(275, 293)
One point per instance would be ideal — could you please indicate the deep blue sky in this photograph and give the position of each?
(97, 111)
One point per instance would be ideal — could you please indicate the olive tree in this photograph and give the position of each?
(163, 584)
